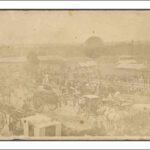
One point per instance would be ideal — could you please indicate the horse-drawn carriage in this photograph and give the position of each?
(43, 97)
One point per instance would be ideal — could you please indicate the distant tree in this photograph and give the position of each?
(94, 47)
(93, 52)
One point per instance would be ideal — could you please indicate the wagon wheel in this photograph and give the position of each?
(40, 108)
(52, 106)
(38, 104)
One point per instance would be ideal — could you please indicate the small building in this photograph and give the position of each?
(41, 126)
(128, 66)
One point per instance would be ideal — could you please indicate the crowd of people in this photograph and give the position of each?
(69, 82)
(62, 85)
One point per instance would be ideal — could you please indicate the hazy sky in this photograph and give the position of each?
(72, 26)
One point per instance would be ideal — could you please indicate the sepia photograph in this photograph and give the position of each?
(75, 74)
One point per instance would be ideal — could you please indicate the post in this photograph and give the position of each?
(58, 129)
(37, 132)
(26, 128)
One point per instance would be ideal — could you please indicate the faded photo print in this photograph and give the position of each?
(74, 74)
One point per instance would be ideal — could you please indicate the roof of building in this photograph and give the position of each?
(24, 59)
(127, 61)
(40, 120)
(132, 66)
(91, 96)
(87, 64)
(12, 59)
(49, 57)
